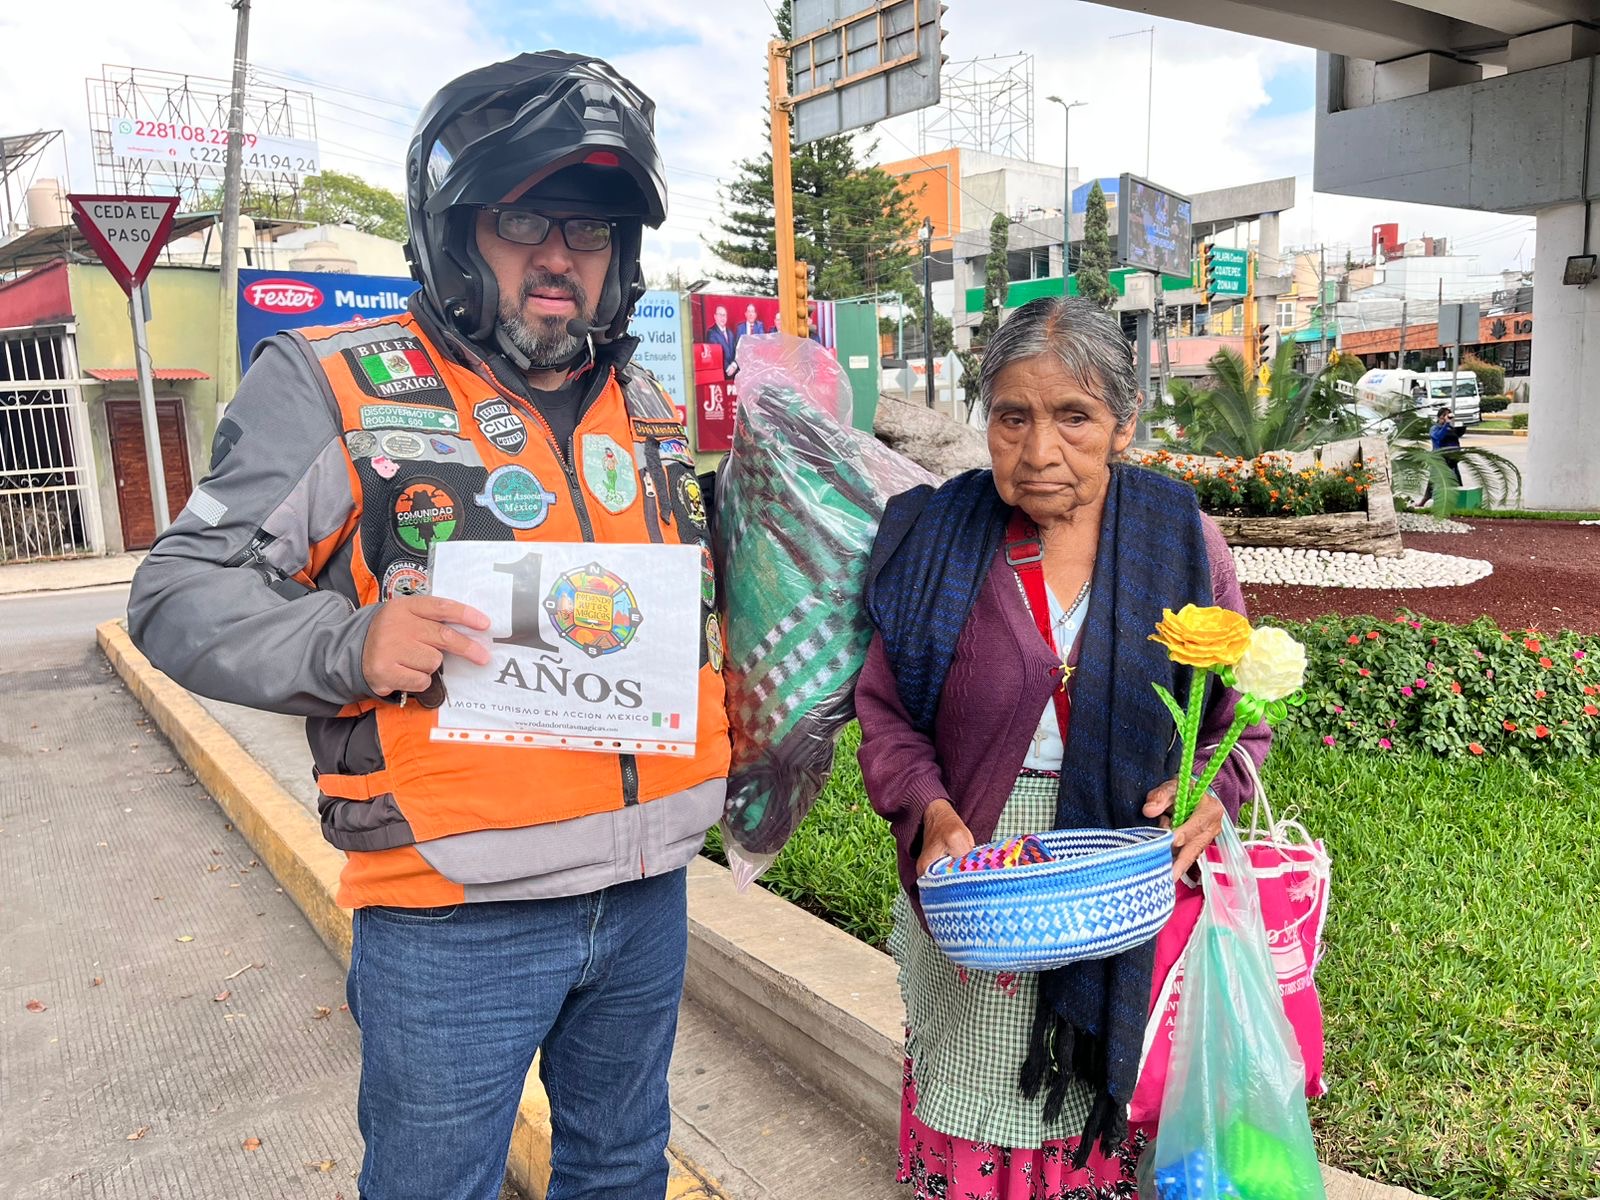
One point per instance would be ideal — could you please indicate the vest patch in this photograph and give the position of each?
(397, 443)
(404, 416)
(385, 466)
(608, 472)
(656, 429)
(676, 449)
(425, 512)
(360, 443)
(395, 368)
(501, 424)
(708, 577)
(714, 649)
(404, 579)
(691, 501)
(516, 497)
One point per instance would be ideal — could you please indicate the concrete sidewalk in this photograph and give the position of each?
(67, 574)
(169, 1023)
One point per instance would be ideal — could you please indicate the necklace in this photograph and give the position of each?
(1066, 615)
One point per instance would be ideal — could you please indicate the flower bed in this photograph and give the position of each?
(1336, 497)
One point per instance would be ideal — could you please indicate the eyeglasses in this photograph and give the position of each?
(528, 228)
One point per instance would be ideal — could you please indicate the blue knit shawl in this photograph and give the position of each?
(933, 552)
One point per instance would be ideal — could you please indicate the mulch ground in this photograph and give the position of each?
(1546, 575)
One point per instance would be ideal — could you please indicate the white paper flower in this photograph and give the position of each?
(1273, 665)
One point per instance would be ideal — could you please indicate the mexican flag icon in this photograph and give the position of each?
(396, 364)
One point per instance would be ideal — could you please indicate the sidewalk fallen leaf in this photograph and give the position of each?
(186, 937)
(324, 1165)
(97, 981)
(138, 1133)
(252, 1143)
(322, 1011)
(221, 996)
(36, 1006)
(213, 867)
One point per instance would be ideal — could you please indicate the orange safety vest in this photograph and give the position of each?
(436, 451)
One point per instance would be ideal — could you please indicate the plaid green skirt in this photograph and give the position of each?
(967, 1030)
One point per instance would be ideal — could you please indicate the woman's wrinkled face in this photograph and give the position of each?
(1051, 440)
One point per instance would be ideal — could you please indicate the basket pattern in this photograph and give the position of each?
(1107, 891)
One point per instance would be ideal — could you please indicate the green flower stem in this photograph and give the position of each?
(1185, 801)
(1229, 739)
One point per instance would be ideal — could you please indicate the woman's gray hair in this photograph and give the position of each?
(1085, 339)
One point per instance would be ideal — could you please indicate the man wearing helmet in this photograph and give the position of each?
(506, 900)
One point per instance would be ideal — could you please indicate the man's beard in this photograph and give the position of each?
(545, 340)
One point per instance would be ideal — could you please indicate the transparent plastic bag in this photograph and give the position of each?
(1234, 1123)
(798, 503)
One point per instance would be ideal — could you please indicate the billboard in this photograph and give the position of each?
(657, 322)
(1155, 228)
(720, 323)
(272, 301)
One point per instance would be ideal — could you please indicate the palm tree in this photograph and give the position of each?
(1230, 418)
(1415, 465)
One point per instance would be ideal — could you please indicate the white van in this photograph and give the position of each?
(1429, 391)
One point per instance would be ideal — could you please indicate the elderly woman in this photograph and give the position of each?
(1008, 690)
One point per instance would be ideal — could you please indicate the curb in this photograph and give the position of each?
(289, 843)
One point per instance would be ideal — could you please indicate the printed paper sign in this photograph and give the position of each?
(591, 646)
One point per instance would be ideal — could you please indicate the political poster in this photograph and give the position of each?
(592, 646)
(657, 322)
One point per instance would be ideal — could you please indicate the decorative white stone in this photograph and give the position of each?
(1412, 569)
(1411, 522)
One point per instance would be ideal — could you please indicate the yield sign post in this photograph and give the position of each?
(128, 232)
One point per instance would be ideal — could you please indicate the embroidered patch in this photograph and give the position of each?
(384, 466)
(406, 416)
(425, 512)
(394, 367)
(714, 642)
(440, 446)
(501, 424)
(656, 429)
(691, 500)
(676, 449)
(403, 579)
(398, 443)
(516, 497)
(360, 443)
(608, 472)
(708, 578)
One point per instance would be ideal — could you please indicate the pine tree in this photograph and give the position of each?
(853, 224)
(1094, 266)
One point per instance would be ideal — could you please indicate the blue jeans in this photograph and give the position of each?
(453, 1002)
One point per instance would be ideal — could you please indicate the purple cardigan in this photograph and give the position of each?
(998, 686)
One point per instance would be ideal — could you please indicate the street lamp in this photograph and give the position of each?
(1066, 173)
(927, 302)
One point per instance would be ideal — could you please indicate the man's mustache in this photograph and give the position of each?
(549, 281)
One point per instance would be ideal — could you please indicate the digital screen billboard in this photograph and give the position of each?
(1155, 227)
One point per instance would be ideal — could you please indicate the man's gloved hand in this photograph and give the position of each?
(408, 639)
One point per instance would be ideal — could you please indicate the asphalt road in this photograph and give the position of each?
(46, 629)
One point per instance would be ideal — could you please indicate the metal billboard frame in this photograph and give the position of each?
(857, 67)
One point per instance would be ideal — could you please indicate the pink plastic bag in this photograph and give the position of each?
(1292, 873)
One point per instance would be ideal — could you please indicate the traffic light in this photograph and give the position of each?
(1202, 279)
(1264, 344)
(799, 295)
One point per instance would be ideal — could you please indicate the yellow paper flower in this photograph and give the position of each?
(1203, 637)
(1273, 665)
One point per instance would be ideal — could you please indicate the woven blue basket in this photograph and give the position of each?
(1108, 891)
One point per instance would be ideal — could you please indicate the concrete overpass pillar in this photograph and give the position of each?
(1563, 469)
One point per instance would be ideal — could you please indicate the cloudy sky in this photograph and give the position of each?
(1227, 108)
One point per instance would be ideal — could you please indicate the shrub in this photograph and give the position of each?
(1457, 691)
(1266, 487)
(1491, 379)
(1494, 404)
(1519, 421)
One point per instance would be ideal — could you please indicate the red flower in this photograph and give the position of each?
(1363, 672)
(1475, 747)
(1354, 639)
(1590, 710)
(1539, 695)
(1546, 663)
(1455, 686)
(1540, 731)
(1510, 726)
(1372, 635)
(1532, 644)
(1589, 689)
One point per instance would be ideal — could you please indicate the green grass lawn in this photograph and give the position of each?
(1461, 984)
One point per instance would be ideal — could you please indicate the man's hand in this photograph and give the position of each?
(408, 639)
(1190, 839)
(942, 833)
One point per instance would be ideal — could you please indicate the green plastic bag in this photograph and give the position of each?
(1233, 1116)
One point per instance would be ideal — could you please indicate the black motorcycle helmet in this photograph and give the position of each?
(581, 133)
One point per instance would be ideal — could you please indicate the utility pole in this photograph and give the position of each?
(1401, 365)
(1150, 89)
(1322, 305)
(782, 183)
(1066, 174)
(228, 325)
(927, 302)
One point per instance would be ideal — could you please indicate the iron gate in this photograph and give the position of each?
(49, 507)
